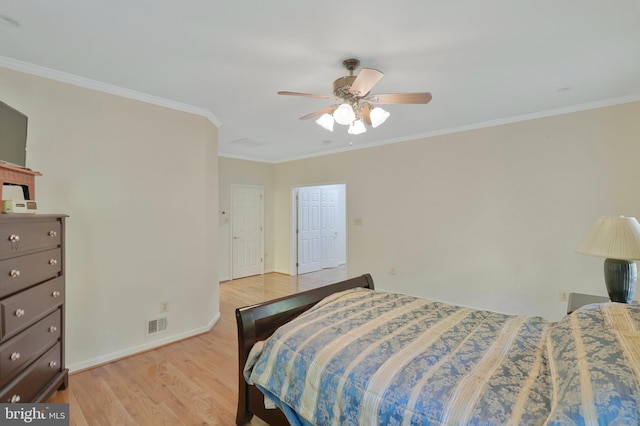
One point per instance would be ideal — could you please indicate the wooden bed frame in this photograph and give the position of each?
(258, 322)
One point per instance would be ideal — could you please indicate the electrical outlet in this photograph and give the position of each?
(164, 307)
(564, 295)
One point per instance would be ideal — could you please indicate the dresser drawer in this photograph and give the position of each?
(23, 237)
(28, 345)
(27, 385)
(23, 309)
(21, 272)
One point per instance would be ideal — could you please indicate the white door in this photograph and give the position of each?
(309, 233)
(246, 230)
(328, 227)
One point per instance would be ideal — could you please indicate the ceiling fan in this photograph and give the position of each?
(358, 106)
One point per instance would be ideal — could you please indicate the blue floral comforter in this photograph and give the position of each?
(364, 357)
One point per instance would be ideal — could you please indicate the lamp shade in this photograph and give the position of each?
(326, 121)
(378, 116)
(614, 238)
(356, 128)
(344, 114)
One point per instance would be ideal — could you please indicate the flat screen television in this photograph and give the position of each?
(13, 136)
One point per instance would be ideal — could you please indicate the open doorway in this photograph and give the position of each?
(319, 228)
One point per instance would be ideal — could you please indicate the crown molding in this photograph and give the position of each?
(250, 158)
(87, 83)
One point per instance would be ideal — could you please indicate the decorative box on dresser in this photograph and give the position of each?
(32, 297)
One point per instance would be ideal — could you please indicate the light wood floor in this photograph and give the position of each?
(191, 382)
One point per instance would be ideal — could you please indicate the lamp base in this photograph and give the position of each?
(620, 276)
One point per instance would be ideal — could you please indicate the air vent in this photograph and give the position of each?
(157, 325)
(249, 143)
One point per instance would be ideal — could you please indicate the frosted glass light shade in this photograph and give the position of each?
(378, 116)
(344, 114)
(326, 121)
(613, 237)
(357, 127)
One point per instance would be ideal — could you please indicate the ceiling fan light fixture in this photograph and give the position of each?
(357, 127)
(378, 116)
(356, 109)
(344, 114)
(326, 121)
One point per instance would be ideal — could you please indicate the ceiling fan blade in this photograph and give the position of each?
(400, 98)
(308, 95)
(327, 110)
(366, 113)
(364, 82)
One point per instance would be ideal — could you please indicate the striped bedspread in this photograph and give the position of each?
(363, 357)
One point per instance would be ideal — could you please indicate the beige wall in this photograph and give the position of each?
(242, 172)
(140, 183)
(488, 217)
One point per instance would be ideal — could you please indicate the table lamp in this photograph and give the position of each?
(618, 240)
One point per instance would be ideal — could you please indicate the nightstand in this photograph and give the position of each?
(577, 300)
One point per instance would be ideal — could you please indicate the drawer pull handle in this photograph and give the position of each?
(55, 293)
(53, 234)
(14, 238)
(53, 364)
(15, 356)
(19, 312)
(53, 329)
(53, 262)
(14, 399)
(15, 273)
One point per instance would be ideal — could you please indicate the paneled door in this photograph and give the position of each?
(247, 217)
(328, 228)
(309, 232)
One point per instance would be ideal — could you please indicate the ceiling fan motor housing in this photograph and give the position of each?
(342, 85)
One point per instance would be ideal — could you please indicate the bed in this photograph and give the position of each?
(348, 354)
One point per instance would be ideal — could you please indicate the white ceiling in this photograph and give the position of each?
(484, 62)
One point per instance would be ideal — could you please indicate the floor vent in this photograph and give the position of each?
(157, 325)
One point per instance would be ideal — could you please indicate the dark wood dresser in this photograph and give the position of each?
(31, 307)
